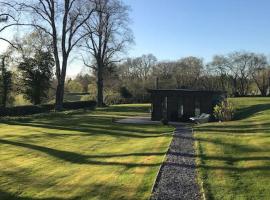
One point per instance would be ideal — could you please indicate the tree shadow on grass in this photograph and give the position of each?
(93, 131)
(226, 168)
(249, 111)
(241, 127)
(93, 191)
(229, 166)
(93, 126)
(77, 158)
(236, 129)
(126, 109)
(4, 195)
(228, 161)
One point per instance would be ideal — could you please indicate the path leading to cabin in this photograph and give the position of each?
(177, 176)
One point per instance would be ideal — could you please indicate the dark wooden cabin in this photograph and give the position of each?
(180, 104)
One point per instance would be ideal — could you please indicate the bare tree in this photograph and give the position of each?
(164, 70)
(63, 22)
(8, 19)
(260, 72)
(187, 72)
(240, 65)
(108, 34)
(237, 66)
(219, 67)
(261, 78)
(32, 42)
(146, 64)
(140, 67)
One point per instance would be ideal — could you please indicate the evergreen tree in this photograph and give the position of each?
(36, 75)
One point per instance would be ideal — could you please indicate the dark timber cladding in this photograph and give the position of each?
(180, 104)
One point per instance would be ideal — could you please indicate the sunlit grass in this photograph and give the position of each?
(234, 157)
(81, 155)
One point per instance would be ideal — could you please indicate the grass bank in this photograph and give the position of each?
(234, 157)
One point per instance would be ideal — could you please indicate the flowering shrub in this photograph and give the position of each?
(224, 111)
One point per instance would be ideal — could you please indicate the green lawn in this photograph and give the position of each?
(80, 155)
(234, 157)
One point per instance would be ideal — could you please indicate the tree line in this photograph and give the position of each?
(239, 73)
(97, 32)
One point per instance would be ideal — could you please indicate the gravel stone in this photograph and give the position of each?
(177, 176)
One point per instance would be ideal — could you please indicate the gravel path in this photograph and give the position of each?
(177, 176)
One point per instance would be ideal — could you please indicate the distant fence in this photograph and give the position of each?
(35, 109)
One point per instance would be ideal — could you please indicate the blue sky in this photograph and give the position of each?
(171, 29)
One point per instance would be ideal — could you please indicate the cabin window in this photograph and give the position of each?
(166, 103)
(197, 107)
(180, 108)
(165, 106)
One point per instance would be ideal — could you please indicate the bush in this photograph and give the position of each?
(35, 109)
(224, 111)
(87, 98)
(111, 97)
(19, 100)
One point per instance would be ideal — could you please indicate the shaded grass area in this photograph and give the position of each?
(234, 157)
(80, 155)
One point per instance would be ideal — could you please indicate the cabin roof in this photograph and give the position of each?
(160, 91)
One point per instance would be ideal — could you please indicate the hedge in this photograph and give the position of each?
(35, 109)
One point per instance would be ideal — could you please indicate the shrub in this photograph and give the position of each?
(19, 100)
(111, 97)
(87, 98)
(35, 109)
(224, 111)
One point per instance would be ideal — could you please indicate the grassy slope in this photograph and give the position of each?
(234, 157)
(80, 155)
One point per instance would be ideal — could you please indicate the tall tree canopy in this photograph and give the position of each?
(108, 34)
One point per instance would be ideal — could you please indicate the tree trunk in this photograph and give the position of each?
(60, 91)
(264, 93)
(59, 96)
(263, 90)
(37, 100)
(4, 97)
(61, 85)
(100, 102)
(235, 87)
